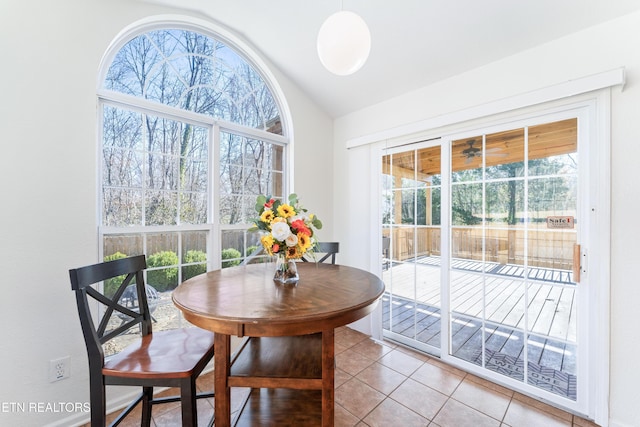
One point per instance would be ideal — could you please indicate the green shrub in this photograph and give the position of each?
(230, 253)
(189, 271)
(111, 285)
(166, 278)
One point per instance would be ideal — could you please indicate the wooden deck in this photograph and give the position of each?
(501, 297)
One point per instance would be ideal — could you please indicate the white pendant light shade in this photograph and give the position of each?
(344, 43)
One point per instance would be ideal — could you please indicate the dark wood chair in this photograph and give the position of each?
(329, 249)
(159, 359)
(386, 247)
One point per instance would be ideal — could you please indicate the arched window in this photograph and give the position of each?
(191, 133)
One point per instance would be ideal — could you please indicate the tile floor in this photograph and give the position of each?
(382, 384)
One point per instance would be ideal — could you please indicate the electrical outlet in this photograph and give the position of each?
(59, 369)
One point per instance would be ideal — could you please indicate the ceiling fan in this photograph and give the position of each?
(472, 152)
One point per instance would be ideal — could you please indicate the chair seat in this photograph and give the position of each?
(163, 354)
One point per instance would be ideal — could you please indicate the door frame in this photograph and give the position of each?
(594, 336)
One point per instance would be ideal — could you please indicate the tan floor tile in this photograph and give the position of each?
(174, 418)
(357, 397)
(166, 407)
(455, 414)
(420, 356)
(440, 364)
(344, 418)
(482, 398)
(367, 371)
(339, 348)
(204, 382)
(372, 349)
(340, 377)
(437, 378)
(582, 422)
(391, 413)
(418, 397)
(401, 362)
(349, 337)
(352, 362)
(381, 378)
(489, 384)
(521, 414)
(543, 406)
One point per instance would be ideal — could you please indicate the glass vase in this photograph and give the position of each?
(286, 271)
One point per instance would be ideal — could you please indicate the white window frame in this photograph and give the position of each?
(214, 125)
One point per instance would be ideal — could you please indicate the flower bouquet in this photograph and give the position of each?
(288, 233)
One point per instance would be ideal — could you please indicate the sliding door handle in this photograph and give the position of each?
(576, 262)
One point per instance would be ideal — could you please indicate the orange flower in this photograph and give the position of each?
(300, 227)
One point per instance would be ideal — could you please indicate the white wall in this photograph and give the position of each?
(602, 48)
(49, 58)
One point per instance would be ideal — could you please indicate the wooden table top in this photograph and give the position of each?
(245, 301)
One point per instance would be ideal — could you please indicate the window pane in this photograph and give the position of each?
(466, 204)
(121, 208)
(116, 246)
(504, 203)
(193, 208)
(249, 168)
(196, 73)
(553, 148)
(466, 159)
(161, 208)
(194, 254)
(552, 197)
(505, 154)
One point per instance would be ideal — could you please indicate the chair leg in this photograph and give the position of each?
(189, 406)
(97, 397)
(147, 396)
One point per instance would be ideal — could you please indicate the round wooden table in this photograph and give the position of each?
(246, 302)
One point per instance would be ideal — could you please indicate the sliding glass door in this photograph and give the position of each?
(481, 236)
(411, 236)
(514, 225)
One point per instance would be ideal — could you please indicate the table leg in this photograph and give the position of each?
(222, 401)
(328, 380)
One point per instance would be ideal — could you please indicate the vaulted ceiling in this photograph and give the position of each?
(415, 43)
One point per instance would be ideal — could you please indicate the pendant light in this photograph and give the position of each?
(344, 43)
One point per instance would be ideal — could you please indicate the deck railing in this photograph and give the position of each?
(544, 248)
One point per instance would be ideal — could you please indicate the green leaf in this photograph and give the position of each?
(317, 223)
(293, 199)
(260, 201)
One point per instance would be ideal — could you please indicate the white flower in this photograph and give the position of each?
(280, 230)
(292, 240)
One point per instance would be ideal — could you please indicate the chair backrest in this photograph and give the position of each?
(124, 272)
(329, 249)
(386, 246)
